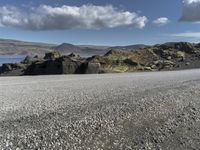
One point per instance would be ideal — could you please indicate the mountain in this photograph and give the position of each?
(100, 47)
(83, 50)
(89, 50)
(15, 47)
(67, 48)
(129, 47)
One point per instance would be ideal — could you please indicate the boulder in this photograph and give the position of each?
(181, 46)
(187, 63)
(10, 67)
(52, 55)
(20, 66)
(36, 56)
(27, 60)
(130, 62)
(147, 68)
(169, 58)
(6, 68)
(167, 62)
(180, 55)
(72, 55)
(153, 67)
(91, 68)
(71, 66)
(62, 65)
(166, 54)
(44, 68)
(163, 64)
(185, 47)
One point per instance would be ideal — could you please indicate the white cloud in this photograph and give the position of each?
(161, 21)
(187, 35)
(191, 11)
(68, 17)
(190, 1)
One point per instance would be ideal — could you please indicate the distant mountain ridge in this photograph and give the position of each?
(129, 47)
(83, 50)
(16, 47)
(67, 48)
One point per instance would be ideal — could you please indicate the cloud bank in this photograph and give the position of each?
(161, 21)
(187, 35)
(191, 11)
(69, 17)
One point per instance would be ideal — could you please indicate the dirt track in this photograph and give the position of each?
(158, 110)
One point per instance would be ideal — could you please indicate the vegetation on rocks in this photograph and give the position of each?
(168, 56)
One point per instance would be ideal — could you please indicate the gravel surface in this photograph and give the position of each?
(159, 110)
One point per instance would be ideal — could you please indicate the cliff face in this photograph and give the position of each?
(168, 56)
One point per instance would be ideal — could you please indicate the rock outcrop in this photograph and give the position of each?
(55, 65)
(168, 56)
(92, 67)
(16, 69)
(52, 55)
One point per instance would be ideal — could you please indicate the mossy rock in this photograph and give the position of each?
(117, 68)
(52, 55)
(180, 55)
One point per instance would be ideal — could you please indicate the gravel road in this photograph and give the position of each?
(157, 110)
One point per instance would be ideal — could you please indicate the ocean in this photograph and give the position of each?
(11, 58)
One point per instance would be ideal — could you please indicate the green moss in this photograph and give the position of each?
(116, 57)
(180, 54)
(117, 68)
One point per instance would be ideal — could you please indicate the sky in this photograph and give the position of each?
(100, 22)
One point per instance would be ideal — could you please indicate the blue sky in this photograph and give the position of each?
(142, 21)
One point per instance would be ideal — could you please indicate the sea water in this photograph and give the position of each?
(11, 58)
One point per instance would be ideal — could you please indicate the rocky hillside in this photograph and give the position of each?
(173, 56)
(169, 56)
